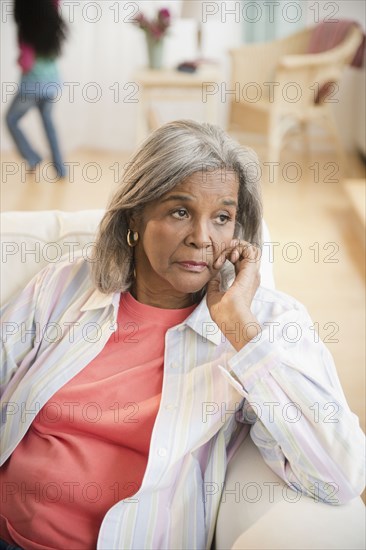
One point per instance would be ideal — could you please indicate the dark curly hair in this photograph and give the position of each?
(40, 25)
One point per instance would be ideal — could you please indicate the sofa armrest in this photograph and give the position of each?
(31, 240)
(258, 511)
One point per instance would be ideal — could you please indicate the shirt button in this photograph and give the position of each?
(174, 365)
(170, 406)
(162, 451)
(181, 328)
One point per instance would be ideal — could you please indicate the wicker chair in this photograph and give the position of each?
(286, 83)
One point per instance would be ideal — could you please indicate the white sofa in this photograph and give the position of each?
(257, 511)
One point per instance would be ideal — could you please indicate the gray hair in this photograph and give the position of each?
(169, 155)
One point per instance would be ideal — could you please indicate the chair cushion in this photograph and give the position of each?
(328, 35)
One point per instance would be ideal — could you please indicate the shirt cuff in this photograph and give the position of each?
(254, 361)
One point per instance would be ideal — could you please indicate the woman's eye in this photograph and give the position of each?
(223, 218)
(181, 213)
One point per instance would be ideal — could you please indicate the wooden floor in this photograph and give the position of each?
(316, 212)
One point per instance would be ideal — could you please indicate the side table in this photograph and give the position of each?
(162, 85)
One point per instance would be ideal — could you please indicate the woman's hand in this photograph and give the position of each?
(231, 309)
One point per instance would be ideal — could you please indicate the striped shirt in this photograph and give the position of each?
(282, 387)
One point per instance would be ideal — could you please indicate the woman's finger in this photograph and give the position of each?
(238, 251)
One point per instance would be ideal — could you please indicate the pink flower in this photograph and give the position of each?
(164, 13)
(156, 31)
(156, 27)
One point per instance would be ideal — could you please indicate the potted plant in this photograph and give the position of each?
(155, 31)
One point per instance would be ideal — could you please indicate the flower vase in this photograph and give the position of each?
(155, 50)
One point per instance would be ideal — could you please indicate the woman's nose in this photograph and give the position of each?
(199, 235)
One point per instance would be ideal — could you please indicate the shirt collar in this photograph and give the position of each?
(99, 300)
(199, 320)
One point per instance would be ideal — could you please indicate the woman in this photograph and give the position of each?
(41, 32)
(128, 380)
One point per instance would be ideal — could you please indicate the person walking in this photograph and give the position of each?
(41, 32)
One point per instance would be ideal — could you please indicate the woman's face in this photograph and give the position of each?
(181, 235)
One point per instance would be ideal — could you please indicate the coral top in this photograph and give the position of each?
(88, 446)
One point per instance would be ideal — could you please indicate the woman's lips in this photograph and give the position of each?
(196, 267)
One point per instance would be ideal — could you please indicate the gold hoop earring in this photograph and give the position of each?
(132, 238)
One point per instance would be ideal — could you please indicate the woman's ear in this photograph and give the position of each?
(132, 221)
(135, 218)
